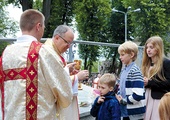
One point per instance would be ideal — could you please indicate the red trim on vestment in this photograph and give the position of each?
(63, 60)
(2, 88)
(31, 76)
(13, 74)
(32, 81)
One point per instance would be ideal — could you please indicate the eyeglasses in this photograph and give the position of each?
(69, 43)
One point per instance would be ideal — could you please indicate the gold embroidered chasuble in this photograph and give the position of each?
(50, 88)
(30, 74)
(72, 111)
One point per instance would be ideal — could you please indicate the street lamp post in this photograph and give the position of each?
(126, 13)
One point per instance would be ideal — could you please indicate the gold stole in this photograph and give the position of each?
(51, 43)
(61, 57)
(30, 74)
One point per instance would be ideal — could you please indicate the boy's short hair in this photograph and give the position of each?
(129, 47)
(109, 79)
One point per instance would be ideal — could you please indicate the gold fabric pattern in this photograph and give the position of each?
(32, 80)
(14, 74)
(32, 72)
(28, 99)
(54, 84)
(31, 107)
(32, 55)
(31, 90)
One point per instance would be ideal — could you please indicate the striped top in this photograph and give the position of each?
(134, 89)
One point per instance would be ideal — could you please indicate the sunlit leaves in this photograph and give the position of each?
(8, 27)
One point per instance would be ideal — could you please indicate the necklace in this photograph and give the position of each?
(152, 64)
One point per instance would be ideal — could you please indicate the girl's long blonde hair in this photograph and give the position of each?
(164, 107)
(157, 43)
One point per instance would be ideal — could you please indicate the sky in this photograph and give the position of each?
(14, 13)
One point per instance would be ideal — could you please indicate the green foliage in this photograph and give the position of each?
(61, 13)
(3, 44)
(7, 25)
(95, 67)
(152, 20)
(117, 23)
(14, 2)
(38, 5)
(115, 34)
(92, 18)
(166, 44)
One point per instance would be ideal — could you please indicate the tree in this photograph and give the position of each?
(7, 25)
(26, 4)
(3, 44)
(115, 33)
(61, 12)
(152, 20)
(91, 17)
(46, 12)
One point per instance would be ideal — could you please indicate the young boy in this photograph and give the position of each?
(106, 106)
(131, 90)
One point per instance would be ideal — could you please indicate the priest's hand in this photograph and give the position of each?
(71, 67)
(82, 75)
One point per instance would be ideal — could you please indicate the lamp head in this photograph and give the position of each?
(129, 8)
(137, 10)
(114, 10)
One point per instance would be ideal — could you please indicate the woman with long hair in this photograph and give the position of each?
(155, 69)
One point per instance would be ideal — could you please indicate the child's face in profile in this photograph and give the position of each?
(103, 88)
(126, 58)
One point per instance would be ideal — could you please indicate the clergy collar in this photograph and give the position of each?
(25, 38)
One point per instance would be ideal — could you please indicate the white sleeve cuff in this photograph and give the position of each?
(75, 86)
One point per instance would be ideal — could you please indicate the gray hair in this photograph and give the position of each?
(61, 30)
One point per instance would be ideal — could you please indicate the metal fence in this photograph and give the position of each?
(71, 52)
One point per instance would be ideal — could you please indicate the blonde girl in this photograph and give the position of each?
(155, 69)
